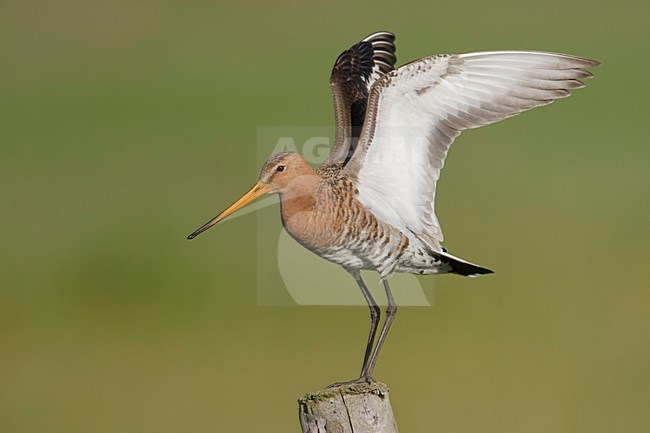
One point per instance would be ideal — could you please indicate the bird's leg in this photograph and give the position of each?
(375, 317)
(391, 311)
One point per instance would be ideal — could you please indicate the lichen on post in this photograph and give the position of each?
(353, 408)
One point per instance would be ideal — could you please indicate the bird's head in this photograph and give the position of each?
(280, 173)
(282, 170)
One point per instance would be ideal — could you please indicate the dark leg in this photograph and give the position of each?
(391, 311)
(375, 316)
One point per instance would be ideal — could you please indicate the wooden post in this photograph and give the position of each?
(356, 408)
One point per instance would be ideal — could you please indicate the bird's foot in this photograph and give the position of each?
(362, 379)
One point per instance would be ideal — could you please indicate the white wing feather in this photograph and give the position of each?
(416, 112)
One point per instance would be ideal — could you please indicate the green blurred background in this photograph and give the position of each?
(126, 124)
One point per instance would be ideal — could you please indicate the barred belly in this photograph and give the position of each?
(368, 245)
(338, 228)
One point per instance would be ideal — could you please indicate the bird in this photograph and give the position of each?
(370, 204)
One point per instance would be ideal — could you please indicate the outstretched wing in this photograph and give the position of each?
(416, 112)
(354, 72)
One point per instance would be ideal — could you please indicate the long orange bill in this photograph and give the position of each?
(258, 190)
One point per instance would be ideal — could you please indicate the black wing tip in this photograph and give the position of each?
(380, 35)
(375, 53)
(383, 44)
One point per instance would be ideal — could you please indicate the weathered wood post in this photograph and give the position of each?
(356, 408)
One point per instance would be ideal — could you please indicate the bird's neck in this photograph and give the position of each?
(298, 200)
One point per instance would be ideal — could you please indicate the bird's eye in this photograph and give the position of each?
(280, 168)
